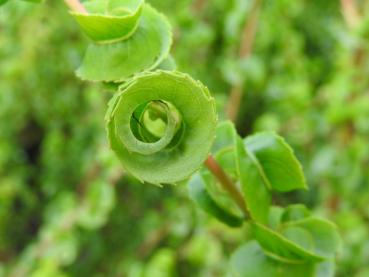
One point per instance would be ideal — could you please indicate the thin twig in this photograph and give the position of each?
(198, 5)
(350, 12)
(76, 6)
(226, 183)
(245, 51)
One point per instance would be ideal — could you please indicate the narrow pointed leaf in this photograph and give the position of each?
(256, 194)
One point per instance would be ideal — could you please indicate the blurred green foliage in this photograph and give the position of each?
(67, 209)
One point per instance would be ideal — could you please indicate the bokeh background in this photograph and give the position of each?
(68, 209)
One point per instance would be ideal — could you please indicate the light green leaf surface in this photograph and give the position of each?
(143, 51)
(288, 250)
(275, 217)
(256, 194)
(295, 212)
(324, 233)
(230, 153)
(183, 105)
(308, 239)
(276, 162)
(262, 162)
(113, 22)
(250, 261)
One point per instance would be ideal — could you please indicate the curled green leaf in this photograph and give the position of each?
(110, 21)
(144, 50)
(161, 125)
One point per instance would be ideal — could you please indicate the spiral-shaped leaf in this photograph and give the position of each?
(162, 125)
(109, 21)
(144, 50)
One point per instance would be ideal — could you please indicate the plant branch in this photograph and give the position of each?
(76, 6)
(245, 51)
(226, 183)
(198, 5)
(350, 12)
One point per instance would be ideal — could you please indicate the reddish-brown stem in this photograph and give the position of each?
(76, 6)
(350, 12)
(198, 5)
(245, 50)
(226, 183)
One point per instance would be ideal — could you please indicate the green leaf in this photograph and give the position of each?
(257, 196)
(168, 64)
(249, 260)
(112, 23)
(284, 249)
(142, 51)
(324, 233)
(189, 116)
(276, 162)
(226, 160)
(251, 184)
(224, 136)
(275, 217)
(263, 162)
(199, 194)
(308, 239)
(2, 2)
(295, 212)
